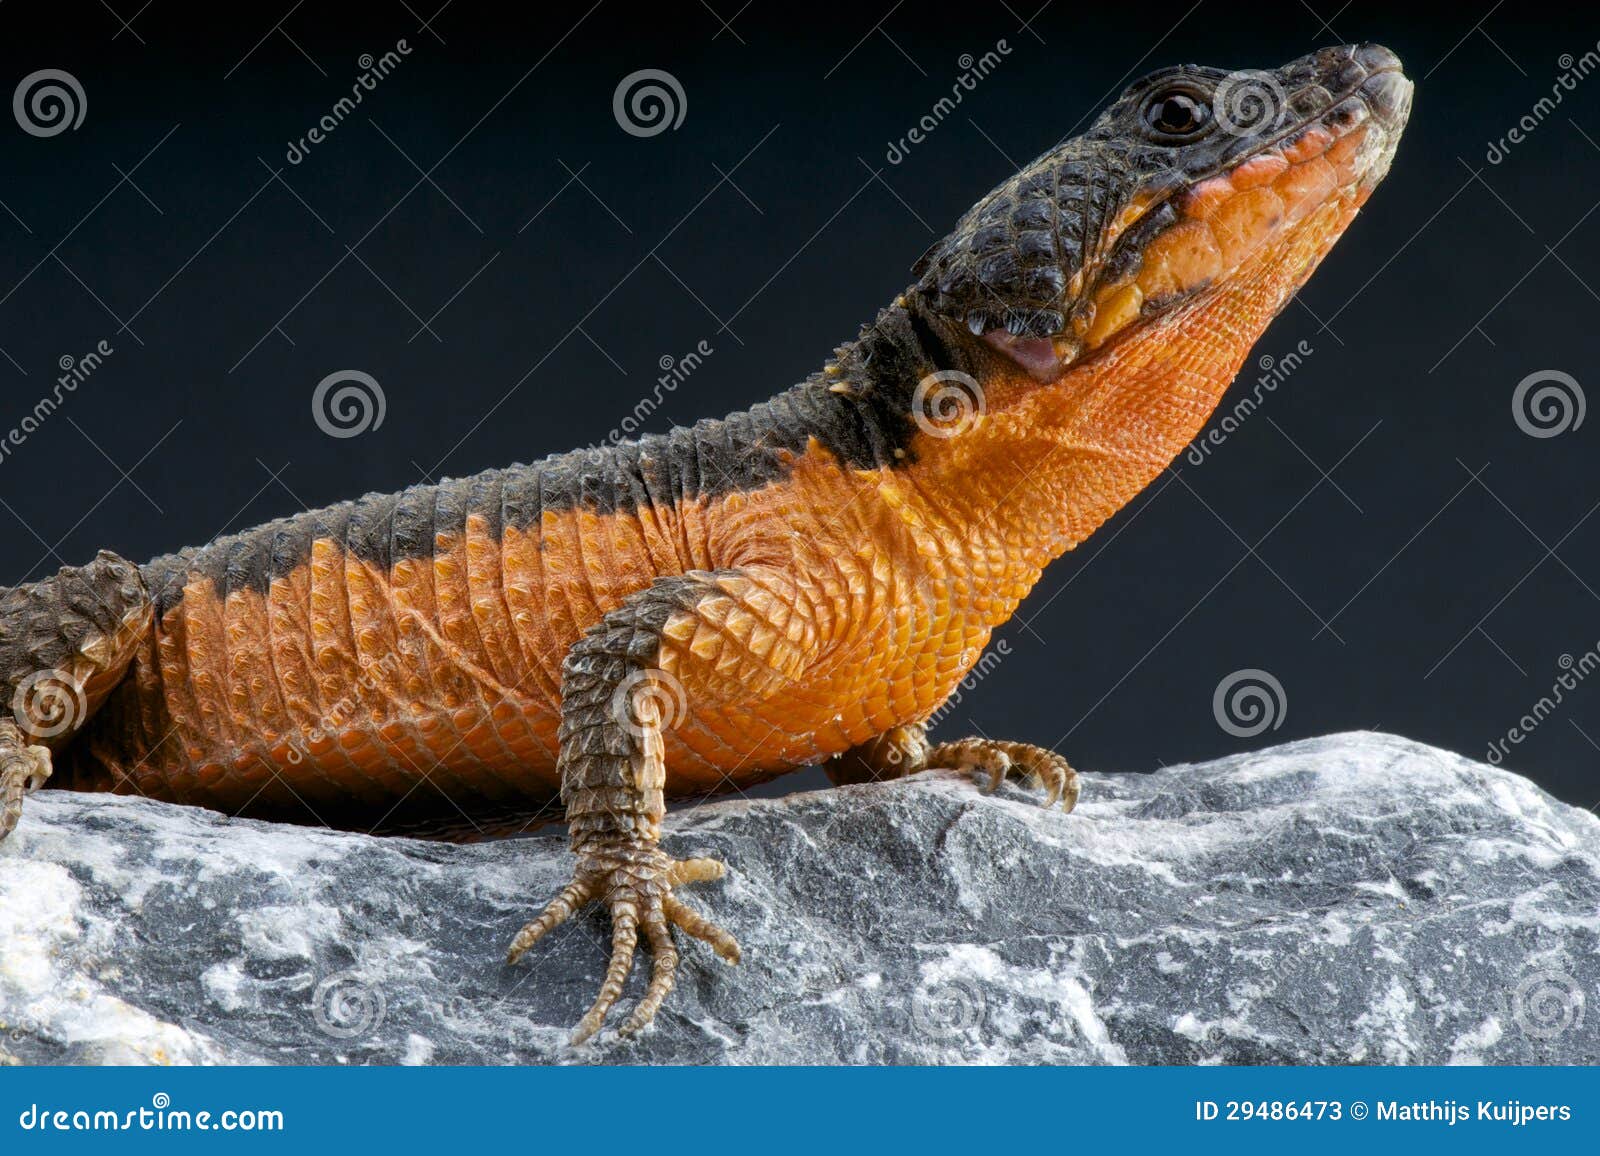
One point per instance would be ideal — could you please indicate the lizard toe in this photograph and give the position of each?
(695, 871)
(997, 759)
(691, 922)
(663, 972)
(23, 770)
(624, 941)
(637, 891)
(560, 909)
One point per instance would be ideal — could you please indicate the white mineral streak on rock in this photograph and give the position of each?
(45, 924)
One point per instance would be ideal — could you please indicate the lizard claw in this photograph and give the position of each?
(998, 759)
(637, 889)
(23, 770)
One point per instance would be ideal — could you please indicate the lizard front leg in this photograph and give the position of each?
(65, 641)
(23, 770)
(685, 643)
(905, 751)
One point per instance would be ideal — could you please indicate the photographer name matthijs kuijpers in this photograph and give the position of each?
(1450, 1112)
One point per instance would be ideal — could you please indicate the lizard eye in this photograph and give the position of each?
(1175, 115)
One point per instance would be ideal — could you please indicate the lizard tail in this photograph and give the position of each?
(65, 642)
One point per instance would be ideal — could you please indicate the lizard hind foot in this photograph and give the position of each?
(997, 759)
(23, 770)
(636, 887)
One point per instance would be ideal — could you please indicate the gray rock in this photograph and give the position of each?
(1357, 898)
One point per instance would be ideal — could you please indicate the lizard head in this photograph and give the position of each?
(1187, 186)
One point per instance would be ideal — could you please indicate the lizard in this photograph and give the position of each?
(804, 582)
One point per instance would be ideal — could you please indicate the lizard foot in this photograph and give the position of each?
(891, 755)
(636, 885)
(23, 770)
(997, 759)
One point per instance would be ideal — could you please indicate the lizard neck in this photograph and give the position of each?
(1045, 465)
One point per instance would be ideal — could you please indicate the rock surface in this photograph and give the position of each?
(1357, 898)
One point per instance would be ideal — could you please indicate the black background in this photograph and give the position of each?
(1381, 536)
